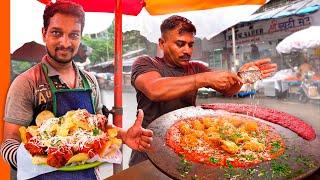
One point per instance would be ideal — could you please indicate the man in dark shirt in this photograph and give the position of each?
(171, 82)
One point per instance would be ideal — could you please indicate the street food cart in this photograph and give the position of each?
(306, 44)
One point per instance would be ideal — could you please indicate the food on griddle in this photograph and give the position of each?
(286, 120)
(229, 139)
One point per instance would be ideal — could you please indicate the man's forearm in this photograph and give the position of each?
(168, 88)
(9, 151)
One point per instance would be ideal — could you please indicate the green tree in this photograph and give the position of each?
(103, 44)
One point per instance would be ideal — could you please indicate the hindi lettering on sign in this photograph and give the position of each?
(286, 24)
(304, 21)
(273, 26)
(290, 23)
(307, 19)
(301, 21)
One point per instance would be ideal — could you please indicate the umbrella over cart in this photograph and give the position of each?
(303, 39)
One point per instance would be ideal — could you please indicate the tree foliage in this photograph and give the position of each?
(103, 44)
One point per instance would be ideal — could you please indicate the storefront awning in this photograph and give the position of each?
(298, 8)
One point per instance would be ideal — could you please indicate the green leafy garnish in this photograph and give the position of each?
(285, 156)
(57, 142)
(96, 131)
(250, 171)
(262, 173)
(184, 166)
(275, 146)
(249, 157)
(235, 136)
(306, 161)
(239, 135)
(214, 160)
(230, 166)
(280, 169)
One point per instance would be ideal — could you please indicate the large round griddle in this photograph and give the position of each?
(167, 161)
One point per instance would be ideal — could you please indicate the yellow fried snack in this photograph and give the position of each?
(229, 146)
(112, 132)
(33, 130)
(23, 134)
(185, 128)
(189, 140)
(70, 114)
(66, 125)
(85, 125)
(116, 141)
(251, 126)
(44, 115)
(254, 145)
(39, 160)
(197, 125)
(208, 122)
(81, 157)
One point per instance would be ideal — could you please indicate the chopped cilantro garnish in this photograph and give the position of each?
(262, 173)
(275, 146)
(239, 135)
(280, 169)
(95, 131)
(230, 166)
(249, 157)
(306, 161)
(250, 171)
(214, 160)
(184, 166)
(285, 156)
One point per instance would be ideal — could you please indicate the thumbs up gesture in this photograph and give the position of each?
(137, 137)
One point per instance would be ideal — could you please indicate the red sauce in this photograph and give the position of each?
(274, 147)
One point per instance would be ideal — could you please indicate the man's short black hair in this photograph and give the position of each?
(175, 21)
(63, 7)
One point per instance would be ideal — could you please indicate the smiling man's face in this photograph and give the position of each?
(62, 37)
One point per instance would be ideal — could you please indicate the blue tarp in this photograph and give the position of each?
(308, 10)
(297, 8)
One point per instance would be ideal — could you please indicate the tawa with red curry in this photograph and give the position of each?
(225, 140)
(219, 141)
